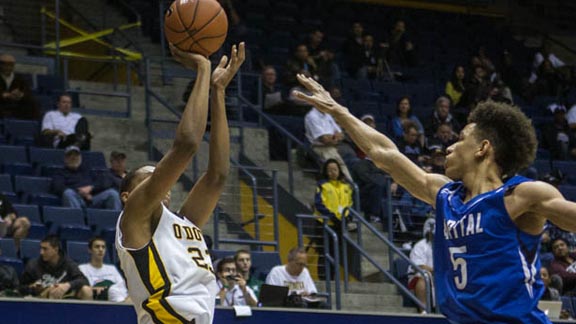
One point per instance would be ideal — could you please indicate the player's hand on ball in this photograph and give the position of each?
(319, 98)
(189, 59)
(225, 71)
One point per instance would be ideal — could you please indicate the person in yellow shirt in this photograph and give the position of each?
(333, 199)
(455, 86)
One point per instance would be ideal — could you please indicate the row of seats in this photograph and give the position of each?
(30, 249)
(36, 157)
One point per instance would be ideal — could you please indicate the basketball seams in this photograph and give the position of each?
(195, 13)
(209, 21)
(177, 6)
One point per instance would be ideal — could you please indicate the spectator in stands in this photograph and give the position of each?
(441, 115)
(476, 90)
(352, 50)
(401, 50)
(404, 114)
(325, 136)
(555, 177)
(421, 255)
(53, 275)
(455, 86)
(333, 198)
(372, 60)
(571, 118)
(510, 74)
(80, 189)
(105, 280)
(118, 167)
(437, 160)
(9, 282)
(549, 80)
(550, 293)
(564, 266)
(272, 95)
(371, 181)
(556, 136)
(500, 92)
(442, 138)
(541, 57)
(482, 59)
(323, 57)
(300, 62)
(243, 260)
(410, 145)
(234, 290)
(12, 224)
(296, 277)
(62, 127)
(16, 100)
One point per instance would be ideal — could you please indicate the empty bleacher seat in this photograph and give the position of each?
(46, 156)
(35, 190)
(30, 211)
(6, 183)
(15, 263)
(13, 154)
(78, 251)
(56, 216)
(37, 231)
(29, 249)
(8, 247)
(93, 159)
(22, 132)
(49, 84)
(100, 219)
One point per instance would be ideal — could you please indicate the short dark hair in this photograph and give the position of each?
(341, 176)
(115, 155)
(94, 239)
(509, 131)
(54, 241)
(224, 261)
(241, 251)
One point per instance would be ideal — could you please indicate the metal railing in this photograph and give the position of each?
(330, 260)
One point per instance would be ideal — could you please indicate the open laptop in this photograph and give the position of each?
(551, 308)
(272, 296)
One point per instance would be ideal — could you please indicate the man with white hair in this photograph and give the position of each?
(441, 115)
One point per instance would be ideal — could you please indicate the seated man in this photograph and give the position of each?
(16, 100)
(53, 275)
(62, 127)
(244, 268)
(79, 189)
(297, 278)
(421, 255)
(105, 279)
(118, 167)
(9, 282)
(11, 224)
(233, 288)
(564, 265)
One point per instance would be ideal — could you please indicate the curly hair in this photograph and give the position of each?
(509, 131)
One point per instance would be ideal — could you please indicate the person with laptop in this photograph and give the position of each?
(233, 289)
(302, 290)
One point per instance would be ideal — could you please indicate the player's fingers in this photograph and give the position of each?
(223, 61)
(233, 57)
(305, 97)
(242, 52)
(307, 82)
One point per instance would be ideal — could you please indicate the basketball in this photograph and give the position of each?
(198, 26)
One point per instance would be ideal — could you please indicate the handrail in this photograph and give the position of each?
(346, 236)
(333, 260)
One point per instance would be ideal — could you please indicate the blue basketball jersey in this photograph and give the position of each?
(486, 269)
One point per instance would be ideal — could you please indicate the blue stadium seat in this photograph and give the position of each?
(37, 231)
(56, 216)
(93, 160)
(69, 232)
(15, 263)
(30, 211)
(78, 251)
(18, 169)
(22, 132)
(50, 170)
(13, 154)
(35, 190)
(12, 197)
(46, 156)
(101, 219)
(49, 84)
(8, 248)
(6, 183)
(29, 249)
(569, 192)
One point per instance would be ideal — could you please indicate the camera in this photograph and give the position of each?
(231, 278)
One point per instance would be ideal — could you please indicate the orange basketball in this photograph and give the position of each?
(198, 26)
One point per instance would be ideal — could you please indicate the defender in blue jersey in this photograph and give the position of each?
(488, 221)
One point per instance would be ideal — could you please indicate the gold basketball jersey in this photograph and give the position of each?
(170, 280)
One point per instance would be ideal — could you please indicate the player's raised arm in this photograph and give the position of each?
(203, 197)
(143, 201)
(377, 146)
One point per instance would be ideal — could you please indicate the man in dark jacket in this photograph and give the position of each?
(79, 189)
(54, 275)
(16, 99)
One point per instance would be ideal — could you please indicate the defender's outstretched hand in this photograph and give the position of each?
(319, 98)
(223, 73)
(188, 59)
